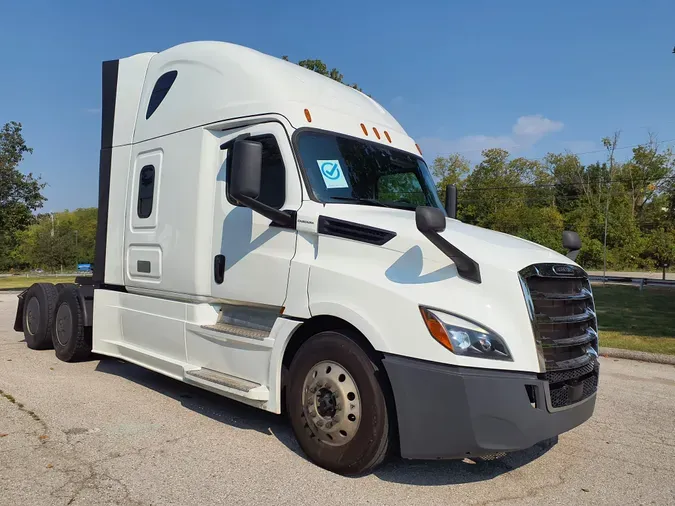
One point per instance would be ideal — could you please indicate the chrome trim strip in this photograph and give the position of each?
(585, 294)
(533, 320)
(587, 337)
(575, 318)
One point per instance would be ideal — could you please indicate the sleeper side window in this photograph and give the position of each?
(162, 87)
(273, 177)
(146, 191)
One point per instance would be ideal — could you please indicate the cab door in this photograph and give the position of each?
(251, 256)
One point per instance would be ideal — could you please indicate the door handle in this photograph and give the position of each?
(219, 268)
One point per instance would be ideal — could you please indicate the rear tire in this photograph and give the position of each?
(337, 406)
(38, 315)
(68, 333)
(61, 286)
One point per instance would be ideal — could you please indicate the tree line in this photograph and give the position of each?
(624, 211)
(29, 239)
(628, 205)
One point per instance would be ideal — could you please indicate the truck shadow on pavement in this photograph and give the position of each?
(241, 416)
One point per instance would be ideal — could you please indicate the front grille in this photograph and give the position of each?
(565, 394)
(562, 311)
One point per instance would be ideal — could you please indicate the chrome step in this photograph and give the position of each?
(249, 317)
(236, 330)
(224, 380)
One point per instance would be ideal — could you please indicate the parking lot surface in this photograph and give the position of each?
(109, 432)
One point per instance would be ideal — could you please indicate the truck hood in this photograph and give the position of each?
(487, 247)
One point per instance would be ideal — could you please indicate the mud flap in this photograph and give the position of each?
(18, 320)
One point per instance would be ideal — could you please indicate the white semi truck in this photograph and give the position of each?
(275, 237)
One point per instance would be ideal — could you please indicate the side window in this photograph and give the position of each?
(146, 191)
(162, 87)
(273, 178)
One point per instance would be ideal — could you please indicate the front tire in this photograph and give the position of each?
(337, 406)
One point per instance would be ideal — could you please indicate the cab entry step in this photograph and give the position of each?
(237, 330)
(221, 379)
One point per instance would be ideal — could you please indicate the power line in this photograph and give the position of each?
(595, 151)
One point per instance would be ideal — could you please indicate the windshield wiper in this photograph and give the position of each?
(371, 202)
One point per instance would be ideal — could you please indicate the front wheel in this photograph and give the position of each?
(337, 406)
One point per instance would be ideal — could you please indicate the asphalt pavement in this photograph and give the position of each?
(108, 432)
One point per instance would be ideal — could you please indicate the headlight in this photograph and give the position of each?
(463, 337)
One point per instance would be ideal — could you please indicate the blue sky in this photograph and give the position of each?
(460, 76)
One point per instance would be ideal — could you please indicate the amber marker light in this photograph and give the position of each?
(436, 328)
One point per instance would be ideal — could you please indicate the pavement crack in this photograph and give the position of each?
(20, 406)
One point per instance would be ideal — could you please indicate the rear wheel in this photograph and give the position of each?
(70, 340)
(61, 286)
(337, 406)
(38, 315)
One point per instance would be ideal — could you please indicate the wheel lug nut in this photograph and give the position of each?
(329, 425)
(319, 423)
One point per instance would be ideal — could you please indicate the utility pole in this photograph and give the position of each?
(52, 216)
(76, 255)
(610, 145)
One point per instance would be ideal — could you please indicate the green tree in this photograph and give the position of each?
(320, 67)
(662, 247)
(20, 194)
(451, 169)
(61, 243)
(617, 203)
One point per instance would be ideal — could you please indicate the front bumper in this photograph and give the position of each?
(455, 412)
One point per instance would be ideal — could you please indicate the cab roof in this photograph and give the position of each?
(216, 81)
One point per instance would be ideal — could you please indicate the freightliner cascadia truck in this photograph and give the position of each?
(276, 237)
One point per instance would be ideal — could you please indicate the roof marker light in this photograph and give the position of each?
(386, 134)
(308, 115)
(365, 130)
(377, 134)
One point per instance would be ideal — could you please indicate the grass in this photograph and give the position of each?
(631, 319)
(21, 282)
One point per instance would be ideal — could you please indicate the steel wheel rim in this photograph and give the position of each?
(33, 316)
(331, 403)
(64, 324)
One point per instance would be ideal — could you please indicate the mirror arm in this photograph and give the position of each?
(572, 254)
(279, 218)
(467, 267)
(451, 201)
(230, 143)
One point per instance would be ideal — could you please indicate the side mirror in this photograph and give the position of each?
(451, 201)
(572, 243)
(429, 219)
(246, 169)
(245, 182)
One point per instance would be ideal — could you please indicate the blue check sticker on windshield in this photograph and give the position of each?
(332, 174)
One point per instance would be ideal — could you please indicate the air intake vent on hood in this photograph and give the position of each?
(354, 231)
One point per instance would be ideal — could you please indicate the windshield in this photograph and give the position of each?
(347, 170)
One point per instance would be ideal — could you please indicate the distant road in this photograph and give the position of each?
(652, 275)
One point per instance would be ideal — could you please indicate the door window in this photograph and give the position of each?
(146, 191)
